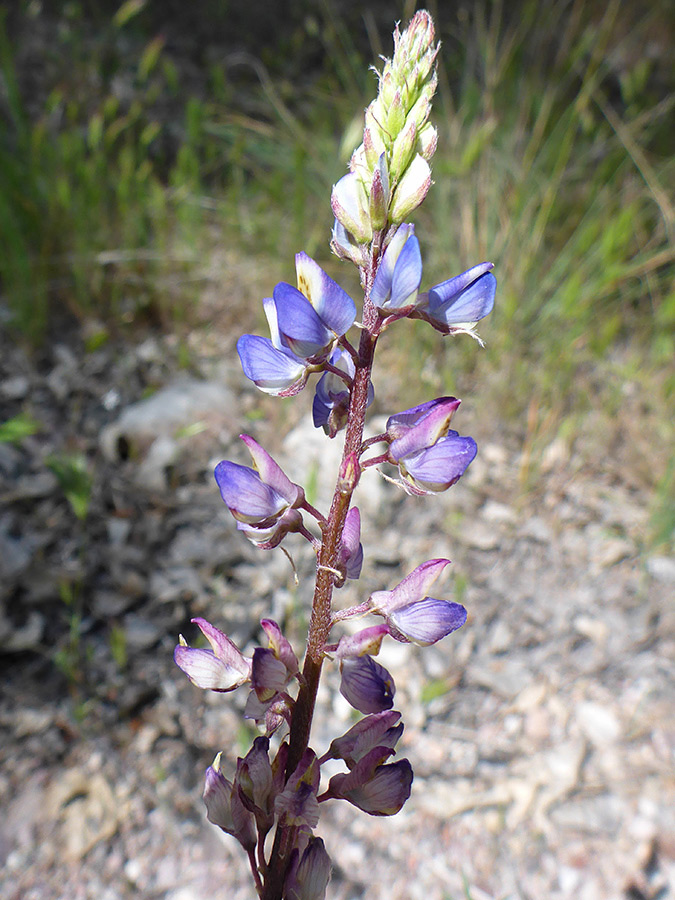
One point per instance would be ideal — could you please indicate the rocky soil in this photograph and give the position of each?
(542, 734)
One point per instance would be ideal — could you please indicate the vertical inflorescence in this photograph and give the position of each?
(272, 801)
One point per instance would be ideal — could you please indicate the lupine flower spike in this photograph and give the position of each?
(270, 802)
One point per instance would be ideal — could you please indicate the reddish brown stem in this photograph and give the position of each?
(321, 620)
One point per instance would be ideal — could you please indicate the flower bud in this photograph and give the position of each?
(411, 189)
(351, 207)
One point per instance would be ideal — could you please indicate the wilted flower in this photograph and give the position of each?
(411, 615)
(366, 685)
(255, 783)
(263, 500)
(225, 809)
(454, 306)
(377, 789)
(309, 874)
(222, 668)
(378, 730)
(298, 804)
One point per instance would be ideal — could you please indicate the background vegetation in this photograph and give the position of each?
(139, 139)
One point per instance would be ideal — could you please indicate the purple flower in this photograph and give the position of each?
(454, 306)
(223, 668)
(366, 685)
(350, 557)
(269, 675)
(225, 809)
(274, 370)
(366, 642)
(308, 876)
(281, 646)
(378, 730)
(411, 615)
(399, 273)
(262, 499)
(331, 398)
(377, 789)
(298, 804)
(429, 456)
(254, 781)
(421, 426)
(304, 324)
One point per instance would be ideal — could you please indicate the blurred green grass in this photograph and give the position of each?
(554, 161)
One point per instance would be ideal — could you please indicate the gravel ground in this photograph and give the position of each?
(542, 734)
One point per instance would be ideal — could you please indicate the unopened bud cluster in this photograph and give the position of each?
(278, 786)
(389, 173)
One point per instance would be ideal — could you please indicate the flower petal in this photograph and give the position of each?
(273, 371)
(440, 466)
(334, 305)
(245, 493)
(414, 587)
(427, 620)
(301, 327)
(271, 472)
(366, 685)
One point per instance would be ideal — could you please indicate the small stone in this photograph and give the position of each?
(662, 568)
(610, 551)
(480, 536)
(15, 388)
(498, 513)
(537, 530)
(599, 723)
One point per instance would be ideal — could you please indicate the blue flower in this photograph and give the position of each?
(304, 322)
(399, 273)
(411, 615)
(331, 399)
(454, 306)
(429, 456)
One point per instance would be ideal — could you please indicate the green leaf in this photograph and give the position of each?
(13, 431)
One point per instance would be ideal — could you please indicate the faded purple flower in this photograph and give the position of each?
(309, 874)
(222, 668)
(378, 730)
(225, 809)
(376, 788)
(298, 804)
(411, 615)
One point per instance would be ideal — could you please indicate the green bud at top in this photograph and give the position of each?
(389, 172)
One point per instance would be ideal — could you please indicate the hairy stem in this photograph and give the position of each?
(321, 619)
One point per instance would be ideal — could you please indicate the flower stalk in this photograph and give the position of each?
(277, 787)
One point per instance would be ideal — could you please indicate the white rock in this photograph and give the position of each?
(599, 723)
